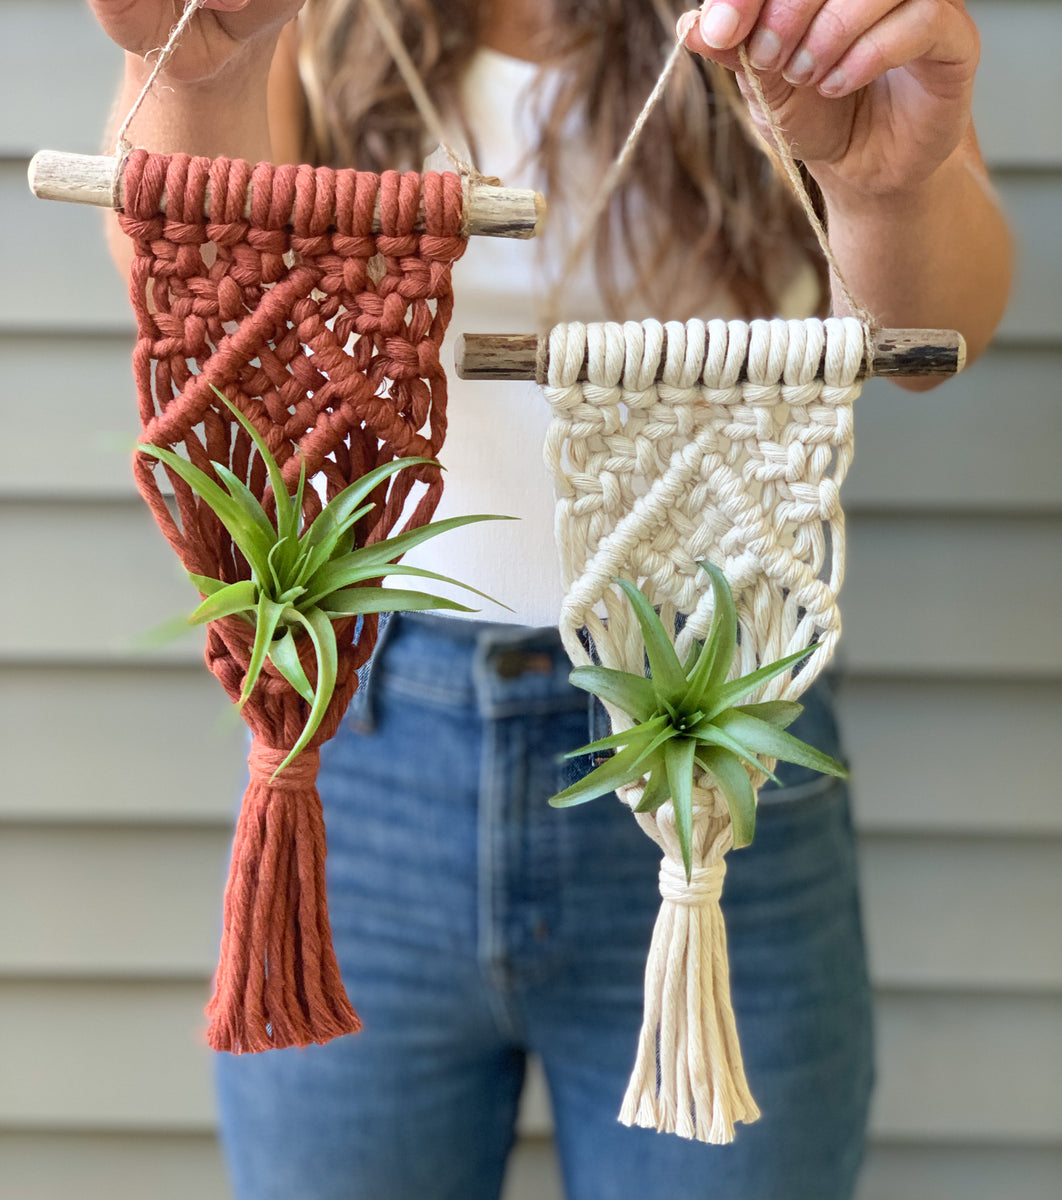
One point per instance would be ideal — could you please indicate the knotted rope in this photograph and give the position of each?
(735, 455)
(326, 336)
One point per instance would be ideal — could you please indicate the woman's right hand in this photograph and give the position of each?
(218, 35)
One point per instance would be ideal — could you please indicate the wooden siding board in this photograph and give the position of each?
(939, 756)
(991, 439)
(119, 744)
(947, 1172)
(138, 903)
(67, 282)
(956, 1066)
(924, 595)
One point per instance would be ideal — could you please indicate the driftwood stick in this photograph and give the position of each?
(90, 179)
(913, 352)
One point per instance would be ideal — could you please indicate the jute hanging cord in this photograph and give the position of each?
(314, 301)
(672, 446)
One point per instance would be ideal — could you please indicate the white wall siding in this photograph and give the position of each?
(114, 833)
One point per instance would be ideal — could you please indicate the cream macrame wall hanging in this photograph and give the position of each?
(672, 446)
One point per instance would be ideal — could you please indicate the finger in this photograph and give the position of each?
(723, 25)
(829, 35)
(933, 41)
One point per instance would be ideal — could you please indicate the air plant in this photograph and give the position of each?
(687, 715)
(304, 576)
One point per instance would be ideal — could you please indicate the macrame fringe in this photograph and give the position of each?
(278, 981)
(688, 1076)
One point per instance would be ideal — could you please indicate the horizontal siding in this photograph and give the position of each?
(50, 1166)
(944, 755)
(125, 1056)
(119, 901)
(37, 237)
(967, 595)
(990, 439)
(81, 66)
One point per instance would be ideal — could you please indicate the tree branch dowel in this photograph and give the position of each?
(91, 179)
(897, 352)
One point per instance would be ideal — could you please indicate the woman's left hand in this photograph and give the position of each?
(874, 95)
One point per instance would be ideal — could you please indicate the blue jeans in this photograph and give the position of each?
(475, 924)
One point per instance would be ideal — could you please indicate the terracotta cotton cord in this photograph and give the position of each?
(337, 365)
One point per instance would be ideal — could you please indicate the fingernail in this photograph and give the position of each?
(685, 23)
(834, 82)
(719, 25)
(800, 69)
(765, 49)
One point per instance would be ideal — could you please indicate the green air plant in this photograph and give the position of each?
(304, 576)
(687, 715)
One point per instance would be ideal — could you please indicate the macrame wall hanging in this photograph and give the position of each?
(671, 446)
(315, 302)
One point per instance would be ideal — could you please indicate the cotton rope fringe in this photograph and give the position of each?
(735, 456)
(326, 336)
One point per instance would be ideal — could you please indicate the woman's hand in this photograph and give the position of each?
(874, 95)
(217, 36)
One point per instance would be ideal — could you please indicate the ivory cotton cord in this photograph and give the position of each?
(699, 440)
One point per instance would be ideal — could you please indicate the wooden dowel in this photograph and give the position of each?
(913, 352)
(90, 179)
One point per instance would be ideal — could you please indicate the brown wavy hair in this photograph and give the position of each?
(702, 210)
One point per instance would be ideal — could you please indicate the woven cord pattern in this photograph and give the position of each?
(326, 336)
(725, 441)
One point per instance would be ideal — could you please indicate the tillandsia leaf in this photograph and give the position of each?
(338, 511)
(356, 601)
(242, 528)
(284, 655)
(736, 786)
(643, 733)
(764, 738)
(725, 696)
(621, 768)
(723, 634)
(668, 677)
(678, 759)
(396, 569)
(657, 791)
(247, 500)
(633, 693)
(227, 601)
(269, 613)
(337, 542)
(777, 712)
(337, 574)
(207, 585)
(323, 636)
(711, 734)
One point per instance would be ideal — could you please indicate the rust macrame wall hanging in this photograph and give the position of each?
(315, 302)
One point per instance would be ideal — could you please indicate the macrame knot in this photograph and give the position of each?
(705, 885)
(298, 776)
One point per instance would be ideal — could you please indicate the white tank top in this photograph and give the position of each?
(493, 449)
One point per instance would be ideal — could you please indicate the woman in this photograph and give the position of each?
(473, 923)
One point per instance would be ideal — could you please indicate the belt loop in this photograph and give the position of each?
(361, 714)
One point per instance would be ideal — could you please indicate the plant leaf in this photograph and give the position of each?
(247, 500)
(284, 655)
(633, 693)
(736, 786)
(723, 633)
(323, 636)
(657, 791)
(337, 512)
(777, 712)
(330, 546)
(207, 585)
(268, 614)
(226, 602)
(645, 732)
(348, 602)
(621, 768)
(709, 733)
(678, 759)
(725, 696)
(664, 666)
(242, 528)
(764, 738)
(331, 576)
